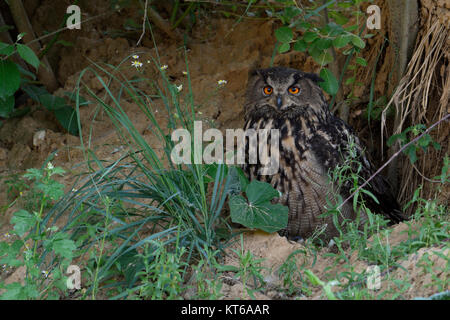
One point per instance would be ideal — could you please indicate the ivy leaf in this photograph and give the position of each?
(28, 55)
(330, 83)
(284, 34)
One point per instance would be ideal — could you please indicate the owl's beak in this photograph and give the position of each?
(279, 101)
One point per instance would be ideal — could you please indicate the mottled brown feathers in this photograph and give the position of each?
(312, 142)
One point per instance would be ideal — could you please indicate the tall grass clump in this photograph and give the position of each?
(143, 199)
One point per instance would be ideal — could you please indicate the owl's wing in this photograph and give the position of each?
(334, 143)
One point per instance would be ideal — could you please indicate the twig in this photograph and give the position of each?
(143, 23)
(392, 158)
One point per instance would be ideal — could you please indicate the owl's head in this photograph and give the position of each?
(283, 89)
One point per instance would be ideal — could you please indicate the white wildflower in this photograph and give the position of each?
(164, 67)
(136, 64)
(222, 82)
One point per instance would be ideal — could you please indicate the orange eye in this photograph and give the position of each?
(267, 90)
(294, 90)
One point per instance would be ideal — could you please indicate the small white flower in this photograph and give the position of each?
(185, 73)
(180, 87)
(50, 166)
(164, 67)
(136, 64)
(7, 235)
(200, 112)
(135, 57)
(45, 273)
(222, 82)
(148, 61)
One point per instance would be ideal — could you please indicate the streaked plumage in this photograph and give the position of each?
(312, 142)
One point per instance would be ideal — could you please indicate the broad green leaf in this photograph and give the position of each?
(330, 84)
(284, 34)
(28, 55)
(258, 212)
(259, 192)
(9, 79)
(267, 217)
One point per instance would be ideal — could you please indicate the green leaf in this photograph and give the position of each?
(324, 44)
(284, 47)
(341, 41)
(322, 57)
(64, 248)
(310, 36)
(300, 45)
(259, 192)
(52, 102)
(6, 106)
(284, 34)
(258, 212)
(9, 79)
(6, 49)
(67, 116)
(411, 152)
(28, 55)
(358, 42)
(23, 221)
(338, 17)
(361, 61)
(330, 83)
(268, 217)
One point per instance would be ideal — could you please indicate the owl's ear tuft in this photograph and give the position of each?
(314, 77)
(254, 72)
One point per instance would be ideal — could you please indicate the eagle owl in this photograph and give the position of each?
(312, 142)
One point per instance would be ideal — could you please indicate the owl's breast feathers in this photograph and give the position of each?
(313, 143)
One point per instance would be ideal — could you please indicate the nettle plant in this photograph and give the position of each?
(321, 31)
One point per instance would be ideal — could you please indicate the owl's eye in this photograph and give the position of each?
(294, 90)
(267, 90)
